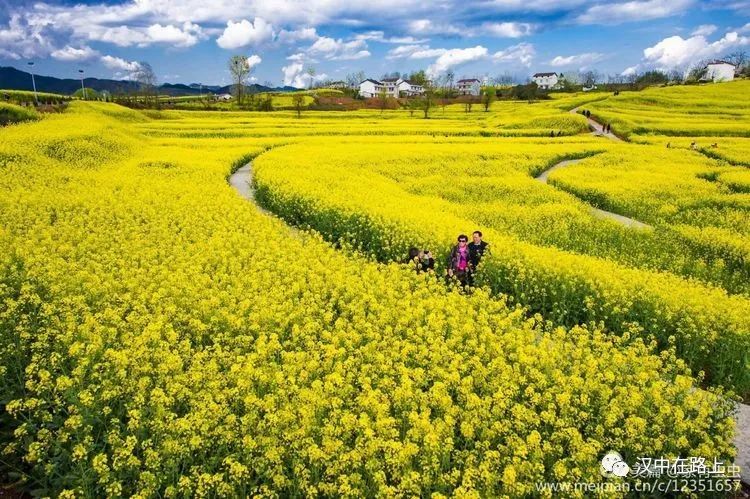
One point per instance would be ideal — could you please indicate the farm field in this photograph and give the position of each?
(690, 111)
(162, 336)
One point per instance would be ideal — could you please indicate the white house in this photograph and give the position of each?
(409, 88)
(393, 87)
(545, 81)
(470, 86)
(719, 71)
(370, 88)
(224, 97)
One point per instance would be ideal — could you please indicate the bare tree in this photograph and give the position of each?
(146, 78)
(311, 73)
(505, 79)
(589, 78)
(354, 79)
(450, 76)
(676, 76)
(240, 70)
(697, 70)
(738, 58)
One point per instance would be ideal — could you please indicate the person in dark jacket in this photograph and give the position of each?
(426, 261)
(477, 249)
(420, 261)
(459, 261)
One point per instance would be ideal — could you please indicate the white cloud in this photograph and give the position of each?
(295, 75)
(292, 74)
(338, 49)
(404, 39)
(69, 53)
(379, 36)
(543, 6)
(185, 37)
(494, 29)
(294, 36)
(427, 27)
(413, 52)
(21, 39)
(254, 60)
(523, 53)
(744, 29)
(124, 36)
(631, 70)
(507, 29)
(456, 57)
(579, 60)
(7, 54)
(704, 30)
(404, 51)
(298, 57)
(82, 16)
(427, 53)
(675, 51)
(635, 10)
(244, 33)
(370, 35)
(117, 63)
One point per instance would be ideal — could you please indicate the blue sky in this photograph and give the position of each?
(190, 40)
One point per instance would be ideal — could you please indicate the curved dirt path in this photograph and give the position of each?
(621, 219)
(241, 181)
(598, 128)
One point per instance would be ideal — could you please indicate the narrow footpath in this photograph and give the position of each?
(621, 219)
(597, 128)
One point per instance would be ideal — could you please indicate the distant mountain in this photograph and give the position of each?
(14, 79)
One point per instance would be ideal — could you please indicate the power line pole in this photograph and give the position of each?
(83, 89)
(33, 82)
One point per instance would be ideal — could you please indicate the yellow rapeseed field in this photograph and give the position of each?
(162, 337)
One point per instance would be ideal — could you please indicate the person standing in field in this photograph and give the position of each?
(413, 259)
(420, 260)
(426, 261)
(458, 261)
(477, 250)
